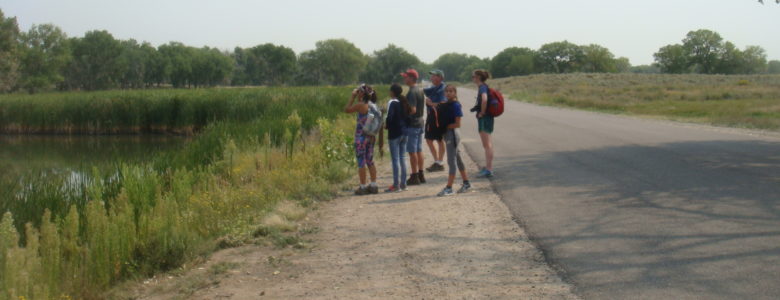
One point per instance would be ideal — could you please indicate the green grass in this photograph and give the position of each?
(284, 143)
(748, 101)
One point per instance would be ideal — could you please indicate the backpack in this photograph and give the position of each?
(373, 122)
(495, 105)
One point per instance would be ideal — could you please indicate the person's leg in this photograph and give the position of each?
(362, 173)
(487, 144)
(441, 150)
(402, 160)
(370, 163)
(394, 157)
(450, 139)
(431, 147)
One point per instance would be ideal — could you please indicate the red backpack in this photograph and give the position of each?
(495, 105)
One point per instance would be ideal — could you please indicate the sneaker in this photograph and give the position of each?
(392, 189)
(464, 188)
(413, 180)
(403, 187)
(435, 168)
(361, 191)
(447, 191)
(421, 177)
(485, 174)
(373, 189)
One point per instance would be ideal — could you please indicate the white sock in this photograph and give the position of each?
(373, 184)
(439, 162)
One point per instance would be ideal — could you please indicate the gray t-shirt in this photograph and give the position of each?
(416, 100)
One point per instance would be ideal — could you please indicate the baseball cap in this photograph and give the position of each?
(437, 72)
(411, 73)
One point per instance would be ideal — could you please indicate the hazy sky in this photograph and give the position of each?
(631, 28)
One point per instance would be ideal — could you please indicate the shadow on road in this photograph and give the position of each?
(699, 217)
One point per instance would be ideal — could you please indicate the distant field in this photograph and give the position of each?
(748, 101)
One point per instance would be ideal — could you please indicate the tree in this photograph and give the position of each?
(560, 57)
(385, 65)
(513, 61)
(94, 65)
(209, 67)
(672, 59)
(132, 65)
(703, 48)
(597, 59)
(774, 67)
(336, 62)
(458, 66)
(266, 64)
(623, 65)
(178, 59)
(754, 60)
(9, 60)
(44, 57)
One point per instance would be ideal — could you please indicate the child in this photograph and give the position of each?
(450, 114)
(398, 110)
(364, 145)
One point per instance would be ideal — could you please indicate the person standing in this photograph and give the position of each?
(364, 144)
(398, 110)
(484, 120)
(414, 128)
(450, 114)
(435, 95)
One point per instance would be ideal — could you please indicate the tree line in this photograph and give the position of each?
(45, 58)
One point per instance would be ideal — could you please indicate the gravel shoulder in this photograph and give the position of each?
(400, 245)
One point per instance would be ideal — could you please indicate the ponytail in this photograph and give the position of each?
(483, 75)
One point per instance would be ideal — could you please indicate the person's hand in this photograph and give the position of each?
(354, 93)
(480, 115)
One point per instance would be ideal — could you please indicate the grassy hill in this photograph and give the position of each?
(749, 101)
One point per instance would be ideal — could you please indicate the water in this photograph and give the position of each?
(51, 172)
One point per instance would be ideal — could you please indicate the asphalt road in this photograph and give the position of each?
(629, 208)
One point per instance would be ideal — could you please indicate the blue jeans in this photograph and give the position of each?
(398, 153)
(413, 139)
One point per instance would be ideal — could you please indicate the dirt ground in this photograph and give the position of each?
(403, 245)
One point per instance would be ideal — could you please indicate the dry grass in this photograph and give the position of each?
(749, 101)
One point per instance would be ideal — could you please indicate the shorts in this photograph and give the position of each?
(431, 133)
(486, 124)
(365, 152)
(413, 139)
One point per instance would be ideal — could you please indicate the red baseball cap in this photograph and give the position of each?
(411, 73)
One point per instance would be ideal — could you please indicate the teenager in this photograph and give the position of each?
(485, 121)
(364, 144)
(398, 111)
(434, 95)
(449, 117)
(414, 128)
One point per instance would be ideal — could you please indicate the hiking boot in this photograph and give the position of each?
(464, 188)
(447, 191)
(361, 191)
(373, 189)
(435, 167)
(392, 189)
(414, 179)
(421, 177)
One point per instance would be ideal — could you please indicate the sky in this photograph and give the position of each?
(630, 28)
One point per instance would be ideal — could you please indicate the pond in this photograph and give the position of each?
(50, 172)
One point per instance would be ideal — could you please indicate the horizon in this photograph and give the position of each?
(226, 25)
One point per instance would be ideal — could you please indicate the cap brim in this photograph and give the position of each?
(404, 75)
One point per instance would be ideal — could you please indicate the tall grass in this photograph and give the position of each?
(157, 215)
(751, 101)
(154, 111)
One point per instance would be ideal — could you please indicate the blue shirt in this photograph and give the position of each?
(436, 93)
(483, 90)
(449, 111)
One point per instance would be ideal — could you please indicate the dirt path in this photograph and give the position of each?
(401, 245)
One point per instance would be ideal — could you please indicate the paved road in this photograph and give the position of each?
(639, 209)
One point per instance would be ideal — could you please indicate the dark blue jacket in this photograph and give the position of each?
(396, 119)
